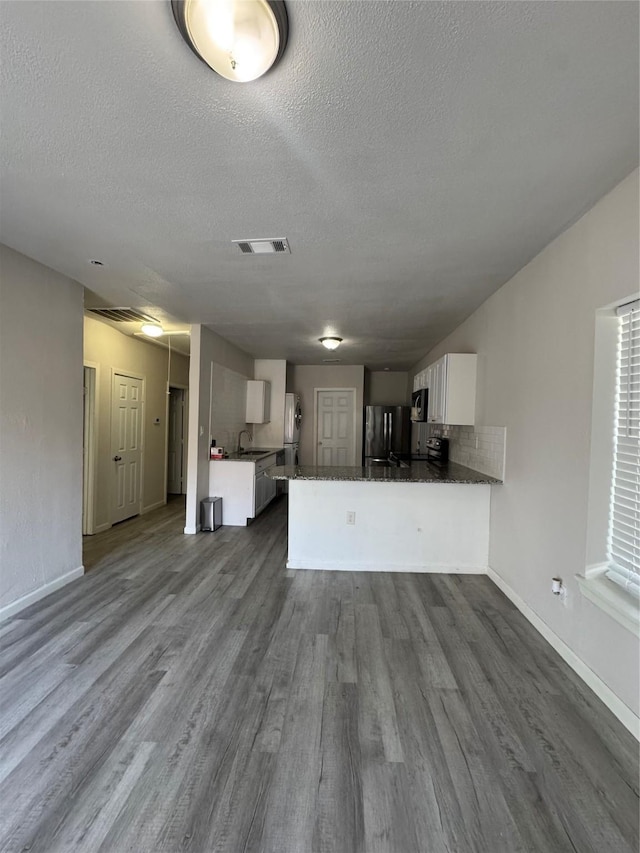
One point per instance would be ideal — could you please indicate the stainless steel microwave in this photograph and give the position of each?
(419, 405)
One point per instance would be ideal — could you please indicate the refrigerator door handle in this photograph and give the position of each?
(390, 432)
(386, 432)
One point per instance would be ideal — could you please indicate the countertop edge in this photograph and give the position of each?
(424, 473)
(234, 457)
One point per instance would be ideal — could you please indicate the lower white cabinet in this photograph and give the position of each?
(244, 486)
(265, 491)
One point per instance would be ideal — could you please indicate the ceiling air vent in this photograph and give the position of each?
(122, 315)
(331, 360)
(263, 246)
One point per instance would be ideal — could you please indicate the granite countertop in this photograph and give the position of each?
(418, 472)
(251, 454)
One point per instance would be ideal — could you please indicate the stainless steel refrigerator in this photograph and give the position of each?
(387, 430)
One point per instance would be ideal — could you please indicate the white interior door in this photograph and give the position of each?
(335, 431)
(175, 441)
(126, 446)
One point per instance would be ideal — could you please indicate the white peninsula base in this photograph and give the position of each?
(399, 527)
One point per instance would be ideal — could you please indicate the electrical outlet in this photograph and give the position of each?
(351, 518)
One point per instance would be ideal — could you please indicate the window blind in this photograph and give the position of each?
(624, 515)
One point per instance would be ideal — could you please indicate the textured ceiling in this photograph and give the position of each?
(416, 155)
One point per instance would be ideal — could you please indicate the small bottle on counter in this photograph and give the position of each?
(212, 452)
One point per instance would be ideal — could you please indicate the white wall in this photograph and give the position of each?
(207, 350)
(112, 351)
(386, 388)
(40, 430)
(306, 378)
(399, 527)
(274, 371)
(535, 343)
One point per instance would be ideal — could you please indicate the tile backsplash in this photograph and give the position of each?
(228, 406)
(479, 447)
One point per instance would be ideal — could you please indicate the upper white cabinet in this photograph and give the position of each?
(258, 401)
(452, 389)
(451, 381)
(420, 380)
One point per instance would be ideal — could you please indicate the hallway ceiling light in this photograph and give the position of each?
(330, 342)
(152, 330)
(238, 39)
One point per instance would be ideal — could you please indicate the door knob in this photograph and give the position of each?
(117, 458)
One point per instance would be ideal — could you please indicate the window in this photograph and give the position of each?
(623, 557)
(611, 579)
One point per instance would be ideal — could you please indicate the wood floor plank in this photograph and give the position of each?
(339, 801)
(189, 693)
(379, 737)
(289, 821)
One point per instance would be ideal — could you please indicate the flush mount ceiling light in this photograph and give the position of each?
(330, 342)
(152, 330)
(239, 39)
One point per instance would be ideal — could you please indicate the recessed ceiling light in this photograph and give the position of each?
(330, 342)
(97, 263)
(239, 39)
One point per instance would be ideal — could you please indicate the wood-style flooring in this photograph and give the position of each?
(190, 694)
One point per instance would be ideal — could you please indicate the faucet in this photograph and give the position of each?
(240, 447)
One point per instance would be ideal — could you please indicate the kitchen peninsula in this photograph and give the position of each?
(421, 518)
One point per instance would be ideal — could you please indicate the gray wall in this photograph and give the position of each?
(40, 428)
(535, 343)
(111, 351)
(207, 349)
(305, 379)
(386, 387)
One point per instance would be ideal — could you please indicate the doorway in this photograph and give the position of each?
(176, 441)
(335, 426)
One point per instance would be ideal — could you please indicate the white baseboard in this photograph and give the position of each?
(24, 601)
(102, 527)
(626, 716)
(190, 530)
(355, 566)
(151, 507)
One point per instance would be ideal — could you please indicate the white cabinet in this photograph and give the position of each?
(420, 380)
(258, 401)
(436, 386)
(245, 488)
(452, 389)
(265, 491)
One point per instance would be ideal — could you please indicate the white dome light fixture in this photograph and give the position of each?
(330, 342)
(239, 39)
(152, 330)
